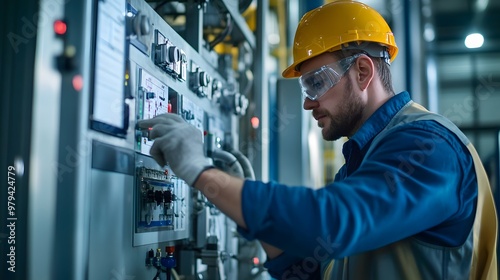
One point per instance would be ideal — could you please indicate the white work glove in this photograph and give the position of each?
(179, 144)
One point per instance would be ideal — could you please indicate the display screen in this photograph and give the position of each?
(108, 111)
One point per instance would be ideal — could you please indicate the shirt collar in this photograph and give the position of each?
(379, 119)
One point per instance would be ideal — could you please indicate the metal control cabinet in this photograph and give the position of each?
(107, 210)
(163, 74)
(98, 205)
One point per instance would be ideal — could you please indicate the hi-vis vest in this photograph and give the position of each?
(413, 259)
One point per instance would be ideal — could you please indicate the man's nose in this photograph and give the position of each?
(310, 104)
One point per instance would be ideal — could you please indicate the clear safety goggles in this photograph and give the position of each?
(317, 82)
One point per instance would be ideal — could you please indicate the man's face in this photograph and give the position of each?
(339, 111)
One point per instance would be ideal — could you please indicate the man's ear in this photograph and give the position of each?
(365, 71)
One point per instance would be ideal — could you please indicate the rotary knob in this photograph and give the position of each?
(145, 25)
(216, 90)
(240, 104)
(174, 54)
(142, 25)
(204, 79)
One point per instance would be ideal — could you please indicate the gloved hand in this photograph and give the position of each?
(179, 144)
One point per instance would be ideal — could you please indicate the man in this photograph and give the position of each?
(411, 201)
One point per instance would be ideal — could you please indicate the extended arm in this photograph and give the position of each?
(224, 191)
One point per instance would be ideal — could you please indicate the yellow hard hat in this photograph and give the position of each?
(339, 25)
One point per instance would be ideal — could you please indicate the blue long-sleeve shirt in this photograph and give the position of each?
(419, 182)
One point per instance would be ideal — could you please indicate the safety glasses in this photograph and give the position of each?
(316, 83)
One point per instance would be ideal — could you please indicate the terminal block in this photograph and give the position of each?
(160, 200)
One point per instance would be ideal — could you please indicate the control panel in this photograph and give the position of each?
(134, 60)
(169, 76)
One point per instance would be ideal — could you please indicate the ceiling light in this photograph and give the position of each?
(481, 5)
(474, 40)
(429, 34)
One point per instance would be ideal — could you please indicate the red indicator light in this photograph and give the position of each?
(77, 82)
(255, 122)
(169, 107)
(170, 249)
(60, 27)
(255, 260)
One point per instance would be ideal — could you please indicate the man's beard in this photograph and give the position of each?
(348, 116)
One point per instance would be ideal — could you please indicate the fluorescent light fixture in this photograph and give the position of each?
(474, 40)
